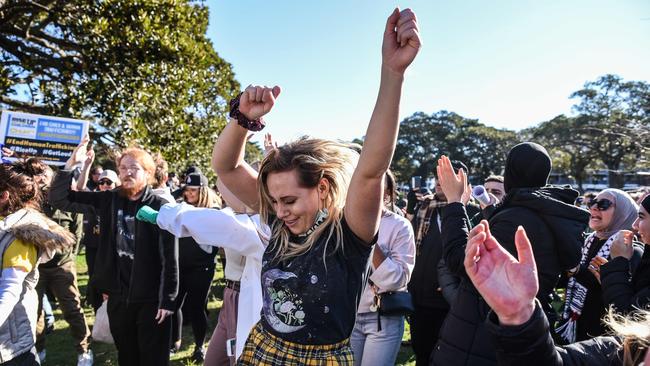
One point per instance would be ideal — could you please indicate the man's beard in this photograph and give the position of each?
(130, 192)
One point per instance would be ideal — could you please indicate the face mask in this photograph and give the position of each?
(321, 216)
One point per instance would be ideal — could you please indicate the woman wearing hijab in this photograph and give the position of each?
(612, 210)
(623, 287)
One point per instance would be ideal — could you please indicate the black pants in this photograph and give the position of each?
(139, 339)
(93, 297)
(193, 288)
(425, 323)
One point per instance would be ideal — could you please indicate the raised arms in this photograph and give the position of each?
(364, 200)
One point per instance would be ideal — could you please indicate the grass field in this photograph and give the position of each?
(61, 352)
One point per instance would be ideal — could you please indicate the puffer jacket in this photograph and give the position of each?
(17, 333)
(531, 344)
(555, 228)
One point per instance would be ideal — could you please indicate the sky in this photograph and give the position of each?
(510, 64)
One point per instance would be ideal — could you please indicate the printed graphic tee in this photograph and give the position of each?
(125, 239)
(308, 300)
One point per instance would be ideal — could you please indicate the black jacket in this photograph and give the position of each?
(154, 275)
(625, 287)
(555, 229)
(424, 284)
(531, 344)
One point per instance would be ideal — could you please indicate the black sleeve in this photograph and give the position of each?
(62, 197)
(503, 227)
(454, 235)
(531, 344)
(168, 248)
(448, 282)
(353, 246)
(586, 278)
(618, 288)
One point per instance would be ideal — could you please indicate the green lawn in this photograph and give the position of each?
(60, 350)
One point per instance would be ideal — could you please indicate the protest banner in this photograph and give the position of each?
(48, 138)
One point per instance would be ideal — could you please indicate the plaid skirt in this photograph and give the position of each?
(264, 349)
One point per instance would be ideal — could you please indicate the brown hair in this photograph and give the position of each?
(160, 176)
(494, 178)
(313, 160)
(390, 190)
(18, 181)
(143, 158)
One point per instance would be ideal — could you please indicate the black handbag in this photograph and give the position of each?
(392, 303)
(395, 303)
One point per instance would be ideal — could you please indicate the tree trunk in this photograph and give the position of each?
(615, 178)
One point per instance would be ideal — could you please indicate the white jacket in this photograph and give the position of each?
(239, 232)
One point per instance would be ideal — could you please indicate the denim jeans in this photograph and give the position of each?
(376, 348)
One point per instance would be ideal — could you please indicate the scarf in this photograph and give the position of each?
(423, 218)
(577, 293)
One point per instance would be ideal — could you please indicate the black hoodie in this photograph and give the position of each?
(554, 225)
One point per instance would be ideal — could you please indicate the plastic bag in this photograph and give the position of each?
(102, 329)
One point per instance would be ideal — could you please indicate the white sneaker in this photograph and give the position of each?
(85, 359)
(41, 356)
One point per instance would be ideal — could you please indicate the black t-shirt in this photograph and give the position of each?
(125, 243)
(311, 301)
(91, 230)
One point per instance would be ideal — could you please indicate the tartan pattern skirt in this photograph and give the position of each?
(265, 349)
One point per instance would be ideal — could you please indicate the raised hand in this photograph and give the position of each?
(401, 40)
(78, 155)
(269, 144)
(90, 157)
(508, 285)
(453, 185)
(257, 101)
(622, 245)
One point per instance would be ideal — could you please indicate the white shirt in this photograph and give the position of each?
(238, 232)
(397, 242)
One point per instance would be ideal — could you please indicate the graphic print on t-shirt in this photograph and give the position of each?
(125, 234)
(282, 307)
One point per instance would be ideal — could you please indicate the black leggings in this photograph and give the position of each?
(194, 285)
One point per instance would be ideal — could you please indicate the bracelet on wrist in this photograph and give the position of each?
(249, 124)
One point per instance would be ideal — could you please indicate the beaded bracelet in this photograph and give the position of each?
(242, 120)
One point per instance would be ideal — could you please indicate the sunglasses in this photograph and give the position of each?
(601, 205)
(105, 182)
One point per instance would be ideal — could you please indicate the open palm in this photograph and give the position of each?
(508, 285)
(401, 40)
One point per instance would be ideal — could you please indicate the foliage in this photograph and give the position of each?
(611, 129)
(614, 116)
(143, 70)
(568, 145)
(423, 138)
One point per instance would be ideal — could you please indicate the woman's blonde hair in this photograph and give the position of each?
(634, 329)
(208, 198)
(313, 159)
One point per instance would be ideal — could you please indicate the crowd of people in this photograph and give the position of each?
(322, 265)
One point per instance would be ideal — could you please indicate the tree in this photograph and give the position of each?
(424, 138)
(144, 71)
(569, 146)
(615, 115)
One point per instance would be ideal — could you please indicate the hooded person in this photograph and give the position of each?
(554, 226)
